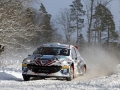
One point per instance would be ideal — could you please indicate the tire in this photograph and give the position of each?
(26, 77)
(83, 70)
(71, 74)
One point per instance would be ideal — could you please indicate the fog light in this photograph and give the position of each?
(24, 69)
(64, 71)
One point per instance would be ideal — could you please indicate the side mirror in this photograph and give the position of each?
(76, 58)
(29, 55)
(76, 47)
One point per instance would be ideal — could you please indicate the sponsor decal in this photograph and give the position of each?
(44, 62)
(42, 74)
(65, 67)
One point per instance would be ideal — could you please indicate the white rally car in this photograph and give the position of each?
(54, 60)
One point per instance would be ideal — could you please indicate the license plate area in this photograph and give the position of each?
(42, 74)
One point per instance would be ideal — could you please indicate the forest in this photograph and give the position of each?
(23, 28)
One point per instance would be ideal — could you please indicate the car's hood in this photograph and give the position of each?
(42, 57)
(47, 57)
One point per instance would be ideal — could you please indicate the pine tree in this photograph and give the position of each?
(81, 42)
(77, 13)
(106, 31)
(45, 23)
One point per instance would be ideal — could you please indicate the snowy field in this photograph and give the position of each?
(11, 79)
(103, 73)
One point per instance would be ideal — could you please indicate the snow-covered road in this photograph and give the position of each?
(11, 79)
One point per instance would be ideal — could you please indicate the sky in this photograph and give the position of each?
(115, 8)
(53, 7)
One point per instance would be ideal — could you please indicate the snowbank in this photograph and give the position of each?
(11, 79)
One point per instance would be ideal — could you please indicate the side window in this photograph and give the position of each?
(73, 53)
(78, 53)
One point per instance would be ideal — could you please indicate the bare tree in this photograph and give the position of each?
(56, 35)
(65, 22)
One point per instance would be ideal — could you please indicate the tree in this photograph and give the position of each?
(90, 8)
(89, 13)
(77, 13)
(66, 23)
(81, 42)
(45, 23)
(14, 22)
(56, 35)
(107, 32)
(17, 28)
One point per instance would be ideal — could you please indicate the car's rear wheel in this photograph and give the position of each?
(26, 77)
(71, 74)
(83, 70)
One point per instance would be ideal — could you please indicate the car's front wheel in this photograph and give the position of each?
(26, 77)
(71, 74)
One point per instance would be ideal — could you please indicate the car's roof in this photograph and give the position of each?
(57, 45)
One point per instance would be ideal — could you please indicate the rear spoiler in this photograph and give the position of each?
(76, 47)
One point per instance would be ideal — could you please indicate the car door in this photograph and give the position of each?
(74, 57)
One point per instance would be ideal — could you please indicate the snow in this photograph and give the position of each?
(11, 79)
(103, 73)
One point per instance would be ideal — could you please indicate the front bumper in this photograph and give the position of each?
(46, 71)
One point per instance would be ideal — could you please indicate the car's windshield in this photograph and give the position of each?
(52, 51)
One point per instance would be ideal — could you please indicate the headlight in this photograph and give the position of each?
(28, 60)
(24, 69)
(63, 62)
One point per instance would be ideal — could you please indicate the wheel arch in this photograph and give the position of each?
(72, 65)
(85, 67)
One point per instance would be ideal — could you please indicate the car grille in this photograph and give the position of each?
(44, 69)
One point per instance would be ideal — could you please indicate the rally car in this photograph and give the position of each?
(54, 60)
